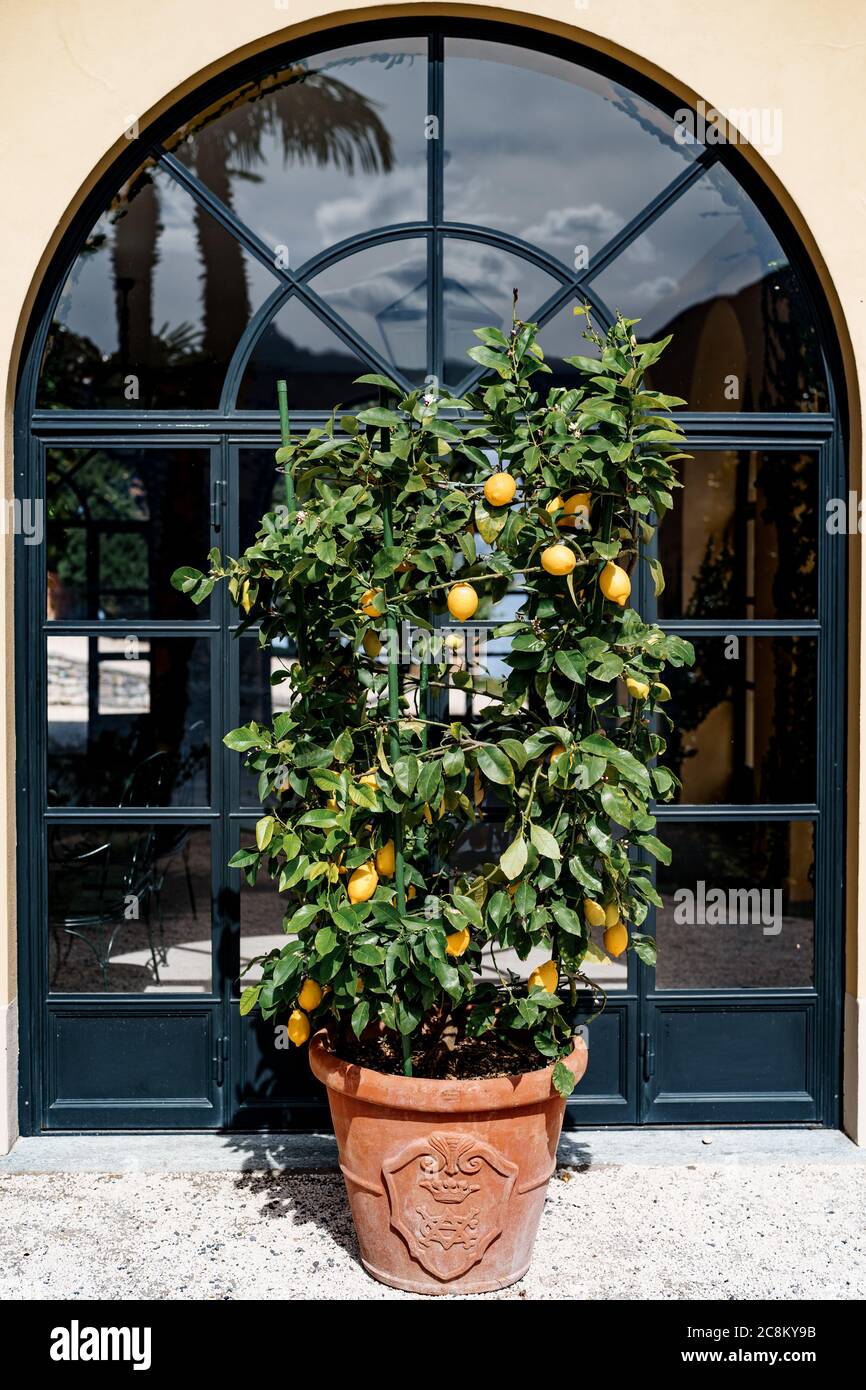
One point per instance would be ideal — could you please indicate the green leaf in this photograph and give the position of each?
(249, 999)
(572, 665)
(447, 975)
(406, 773)
(498, 908)
(658, 575)
(654, 846)
(243, 858)
(617, 805)
(609, 668)
(544, 842)
(186, 579)
(513, 861)
(495, 765)
(242, 740)
(515, 751)
(302, 917)
(567, 919)
(324, 819)
(360, 1017)
(453, 762)
(469, 909)
(265, 831)
(563, 1079)
(326, 940)
(378, 415)
(624, 761)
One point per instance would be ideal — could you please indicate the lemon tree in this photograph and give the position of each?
(367, 789)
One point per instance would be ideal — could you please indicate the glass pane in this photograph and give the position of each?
(319, 368)
(746, 721)
(120, 522)
(261, 488)
(320, 150)
(382, 294)
(548, 151)
(129, 909)
(742, 541)
(128, 721)
(154, 305)
(738, 906)
(477, 288)
(262, 910)
(259, 699)
(711, 272)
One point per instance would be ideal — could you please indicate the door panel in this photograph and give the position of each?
(134, 1066)
(735, 1063)
(607, 1094)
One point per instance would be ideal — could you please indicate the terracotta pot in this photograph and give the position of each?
(446, 1179)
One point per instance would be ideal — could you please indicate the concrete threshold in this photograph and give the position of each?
(311, 1153)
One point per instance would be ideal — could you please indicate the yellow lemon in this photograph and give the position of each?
(411, 892)
(575, 510)
(298, 1027)
(368, 601)
(372, 645)
(558, 559)
(615, 583)
(660, 691)
(362, 883)
(557, 751)
(386, 860)
(500, 489)
(370, 779)
(462, 601)
(311, 995)
(637, 689)
(555, 504)
(456, 943)
(616, 939)
(546, 975)
(594, 913)
(611, 914)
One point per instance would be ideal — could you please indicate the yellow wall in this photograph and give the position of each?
(76, 72)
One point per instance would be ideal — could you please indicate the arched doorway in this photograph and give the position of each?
(358, 205)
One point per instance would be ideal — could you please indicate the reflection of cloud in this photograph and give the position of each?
(649, 292)
(566, 224)
(373, 293)
(377, 203)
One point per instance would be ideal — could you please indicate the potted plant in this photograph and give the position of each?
(448, 1086)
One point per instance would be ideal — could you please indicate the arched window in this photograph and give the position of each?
(357, 204)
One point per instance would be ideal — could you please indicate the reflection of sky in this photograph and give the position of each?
(543, 149)
(524, 135)
(711, 243)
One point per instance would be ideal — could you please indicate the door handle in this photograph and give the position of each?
(219, 1061)
(648, 1054)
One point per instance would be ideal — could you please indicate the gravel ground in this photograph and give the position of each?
(610, 1230)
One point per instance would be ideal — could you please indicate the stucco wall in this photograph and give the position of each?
(74, 75)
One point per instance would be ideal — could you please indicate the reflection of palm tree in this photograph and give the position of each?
(317, 119)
